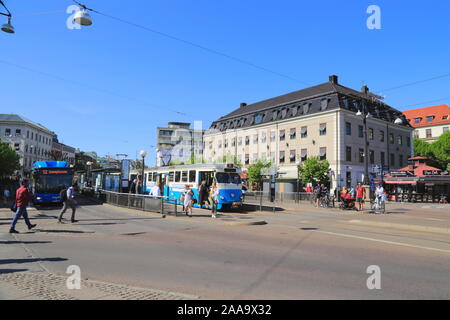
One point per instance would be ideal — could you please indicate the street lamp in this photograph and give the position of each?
(7, 27)
(89, 164)
(366, 144)
(82, 17)
(143, 154)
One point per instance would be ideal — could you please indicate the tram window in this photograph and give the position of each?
(171, 176)
(150, 177)
(192, 175)
(177, 176)
(223, 177)
(207, 176)
(184, 176)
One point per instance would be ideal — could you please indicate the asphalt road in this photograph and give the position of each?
(308, 254)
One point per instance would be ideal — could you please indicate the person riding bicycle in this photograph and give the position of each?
(379, 196)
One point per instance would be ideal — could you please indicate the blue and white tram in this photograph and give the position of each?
(172, 179)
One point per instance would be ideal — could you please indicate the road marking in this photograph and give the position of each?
(383, 241)
(403, 226)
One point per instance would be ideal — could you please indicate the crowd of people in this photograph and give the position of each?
(205, 194)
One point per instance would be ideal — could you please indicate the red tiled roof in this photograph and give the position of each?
(437, 111)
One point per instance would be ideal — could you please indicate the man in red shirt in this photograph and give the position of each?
(23, 196)
(360, 195)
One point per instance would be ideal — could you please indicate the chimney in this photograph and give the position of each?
(365, 89)
(243, 104)
(333, 79)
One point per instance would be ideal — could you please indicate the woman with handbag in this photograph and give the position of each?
(213, 199)
(188, 200)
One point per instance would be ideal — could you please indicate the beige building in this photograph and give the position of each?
(32, 141)
(430, 122)
(317, 121)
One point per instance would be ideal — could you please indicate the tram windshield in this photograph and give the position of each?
(224, 177)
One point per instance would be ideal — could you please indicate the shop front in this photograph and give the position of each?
(418, 182)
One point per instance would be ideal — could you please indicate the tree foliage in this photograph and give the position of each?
(438, 151)
(314, 171)
(254, 170)
(9, 160)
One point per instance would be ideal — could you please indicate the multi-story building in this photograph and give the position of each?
(177, 142)
(430, 122)
(320, 121)
(62, 151)
(32, 141)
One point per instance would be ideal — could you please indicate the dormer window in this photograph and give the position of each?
(324, 104)
(274, 115)
(258, 118)
(283, 113)
(417, 120)
(306, 107)
(444, 117)
(430, 118)
(294, 110)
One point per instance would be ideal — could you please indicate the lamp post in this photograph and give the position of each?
(143, 154)
(298, 180)
(89, 164)
(366, 145)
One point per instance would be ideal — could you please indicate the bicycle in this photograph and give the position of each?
(378, 206)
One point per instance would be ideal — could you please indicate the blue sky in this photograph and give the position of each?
(116, 83)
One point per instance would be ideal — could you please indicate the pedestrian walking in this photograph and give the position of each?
(68, 198)
(202, 194)
(188, 200)
(6, 195)
(23, 197)
(360, 195)
(213, 199)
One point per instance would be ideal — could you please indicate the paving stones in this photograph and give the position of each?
(43, 286)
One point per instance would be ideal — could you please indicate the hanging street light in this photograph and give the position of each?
(7, 27)
(82, 17)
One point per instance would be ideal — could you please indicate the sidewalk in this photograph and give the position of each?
(23, 275)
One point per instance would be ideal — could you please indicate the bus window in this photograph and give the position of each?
(184, 176)
(192, 175)
(171, 176)
(150, 177)
(177, 176)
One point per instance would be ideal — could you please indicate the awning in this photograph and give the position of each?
(323, 126)
(304, 130)
(323, 152)
(304, 152)
(400, 182)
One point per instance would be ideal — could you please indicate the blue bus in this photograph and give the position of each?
(49, 178)
(172, 179)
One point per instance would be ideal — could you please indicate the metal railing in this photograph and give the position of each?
(281, 199)
(163, 205)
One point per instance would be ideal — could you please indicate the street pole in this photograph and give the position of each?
(143, 180)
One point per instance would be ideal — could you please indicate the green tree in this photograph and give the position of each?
(438, 152)
(314, 171)
(254, 171)
(441, 150)
(9, 160)
(137, 165)
(422, 148)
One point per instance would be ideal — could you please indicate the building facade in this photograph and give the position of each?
(178, 142)
(62, 152)
(430, 122)
(32, 141)
(320, 121)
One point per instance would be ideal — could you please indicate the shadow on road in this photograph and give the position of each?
(24, 242)
(65, 231)
(31, 260)
(5, 271)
